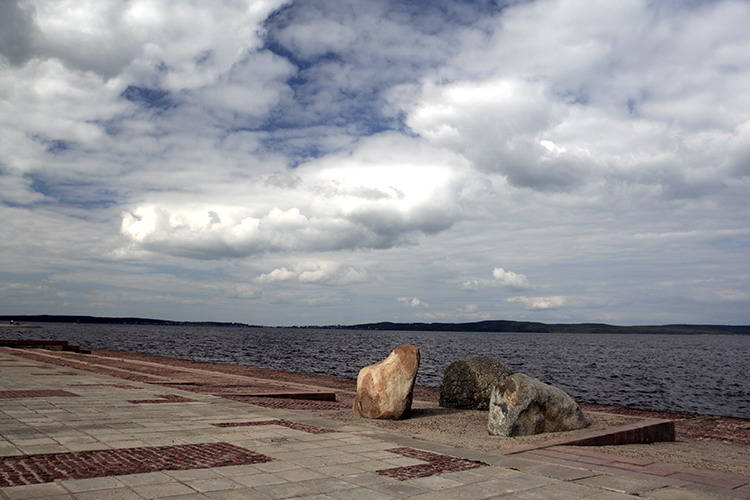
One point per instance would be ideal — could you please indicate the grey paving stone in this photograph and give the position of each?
(464, 493)
(93, 484)
(276, 466)
(213, 484)
(360, 494)
(336, 470)
(116, 494)
(163, 490)
(284, 490)
(434, 483)
(262, 479)
(560, 471)
(399, 488)
(621, 484)
(501, 487)
(242, 494)
(612, 495)
(33, 491)
(190, 496)
(193, 474)
(673, 493)
(237, 470)
(143, 479)
(301, 474)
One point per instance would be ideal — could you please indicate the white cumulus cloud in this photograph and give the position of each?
(553, 302)
(500, 277)
(386, 192)
(323, 272)
(413, 302)
(510, 279)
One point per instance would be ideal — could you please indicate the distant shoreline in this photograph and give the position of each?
(489, 326)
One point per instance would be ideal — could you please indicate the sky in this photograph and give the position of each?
(347, 161)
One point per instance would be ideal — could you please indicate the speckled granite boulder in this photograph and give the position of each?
(467, 383)
(385, 389)
(521, 406)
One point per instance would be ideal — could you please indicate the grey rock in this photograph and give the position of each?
(521, 406)
(467, 383)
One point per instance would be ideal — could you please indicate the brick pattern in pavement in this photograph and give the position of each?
(436, 464)
(289, 404)
(311, 429)
(47, 467)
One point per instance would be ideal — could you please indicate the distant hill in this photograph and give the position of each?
(479, 326)
(534, 327)
(47, 318)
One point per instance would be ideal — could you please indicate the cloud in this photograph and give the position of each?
(351, 53)
(251, 150)
(325, 273)
(500, 125)
(554, 302)
(112, 38)
(281, 274)
(473, 284)
(359, 200)
(510, 279)
(506, 279)
(468, 312)
(576, 105)
(412, 302)
(17, 32)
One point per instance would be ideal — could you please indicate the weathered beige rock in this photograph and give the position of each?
(521, 406)
(385, 389)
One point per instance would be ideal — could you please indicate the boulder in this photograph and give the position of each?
(385, 389)
(467, 383)
(521, 405)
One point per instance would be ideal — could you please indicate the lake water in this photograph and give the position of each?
(705, 374)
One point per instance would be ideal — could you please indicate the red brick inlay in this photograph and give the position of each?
(289, 404)
(40, 393)
(165, 398)
(436, 464)
(119, 386)
(286, 423)
(47, 467)
(55, 374)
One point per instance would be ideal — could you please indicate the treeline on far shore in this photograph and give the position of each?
(535, 327)
(96, 320)
(488, 326)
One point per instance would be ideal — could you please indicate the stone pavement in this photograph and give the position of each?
(72, 434)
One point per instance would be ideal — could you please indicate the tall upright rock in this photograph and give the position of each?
(386, 388)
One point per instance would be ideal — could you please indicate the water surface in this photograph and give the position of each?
(705, 374)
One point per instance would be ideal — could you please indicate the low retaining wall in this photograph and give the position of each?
(644, 431)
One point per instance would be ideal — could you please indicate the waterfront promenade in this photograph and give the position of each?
(76, 426)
